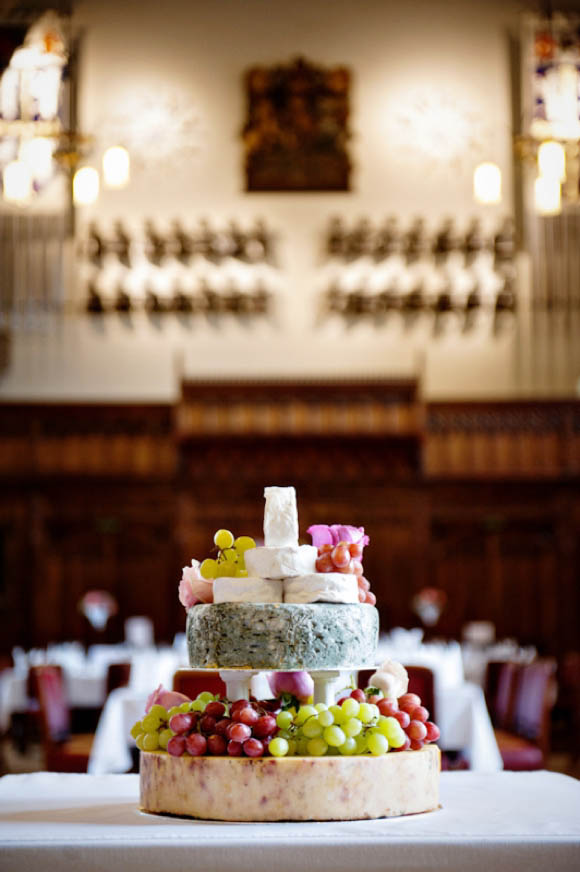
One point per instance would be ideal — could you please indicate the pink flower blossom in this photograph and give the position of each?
(166, 698)
(322, 534)
(194, 589)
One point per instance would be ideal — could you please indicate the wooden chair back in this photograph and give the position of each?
(47, 684)
(118, 675)
(191, 682)
(534, 699)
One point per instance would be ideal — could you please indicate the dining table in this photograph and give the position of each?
(506, 821)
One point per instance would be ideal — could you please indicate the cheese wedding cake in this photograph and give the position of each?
(287, 609)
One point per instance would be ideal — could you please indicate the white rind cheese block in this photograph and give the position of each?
(321, 587)
(247, 590)
(280, 517)
(281, 562)
(291, 788)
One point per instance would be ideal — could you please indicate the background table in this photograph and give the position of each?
(461, 714)
(506, 821)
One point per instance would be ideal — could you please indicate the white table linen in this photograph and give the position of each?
(462, 717)
(83, 690)
(506, 821)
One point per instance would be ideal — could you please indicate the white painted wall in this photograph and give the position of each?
(430, 99)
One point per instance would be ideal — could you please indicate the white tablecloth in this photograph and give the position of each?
(461, 713)
(84, 690)
(507, 821)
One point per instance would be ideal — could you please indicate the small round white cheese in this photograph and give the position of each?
(321, 587)
(282, 562)
(247, 590)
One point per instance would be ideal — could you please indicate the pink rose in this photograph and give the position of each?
(166, 698)
(194, 589)
(322, 534)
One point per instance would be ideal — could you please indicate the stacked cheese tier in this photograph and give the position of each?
(292, 788)
(285, 615)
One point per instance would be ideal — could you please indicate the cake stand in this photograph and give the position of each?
(238, 681)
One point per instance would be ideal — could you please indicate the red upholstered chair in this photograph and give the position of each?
(524, 743)
(501, 681)
(63, 752)
(194, 681)
(118, 675)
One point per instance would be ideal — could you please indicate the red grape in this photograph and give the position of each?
(405, 746)
(374, 698)
(234, 749)
(433, 731)
(416, 744)
(357, 568)
(419, 713)
(341, 700)
(247, 716)
(403, 718)
(363, 583)
(325, 549)
(196, 744)
(239, 732)
(362, 596)
(349, 568)
(325, 564)
(358, 694)
(371, 599)
(417, 730)
(340, 556)
(356, 550)
(216, 745)
(176, 746)
(215, 709)
(222, 726)
(388, 707)
(409, 700)
(207, 724)
(264, 726)
(182, 722)
(253, 748)
(238, 704)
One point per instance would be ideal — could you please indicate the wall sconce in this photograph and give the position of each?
(547, 196)
(85, 186)
(552, 160)
(116, 167)
(17, 183)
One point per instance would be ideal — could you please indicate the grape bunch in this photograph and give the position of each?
(230, 560)
(357, 724)
(211, 726)
(346, 557)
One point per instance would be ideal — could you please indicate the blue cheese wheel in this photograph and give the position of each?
(282, 636)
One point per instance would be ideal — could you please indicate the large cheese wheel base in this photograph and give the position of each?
(291, 788)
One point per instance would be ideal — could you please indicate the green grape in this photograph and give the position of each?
(334, 736)
(337, 713)
(361, 743)
(348, 747)
(223, 539)
(284, 734)
(150, 741)
(304, 712)
(397, 741)
(243, 544)
(278, 747)
(139, 741)
(164, 737)
(292, 747)
(366, 712)
(160, 711)
(350, 708)
(151, 723)
(317, 747)
(302, 746)
(136, 729)
(205, 696)
(390, 728)
(312, 728)
(321, 707)
(208, 568)
(284, 720)
(227, 569)
(326, 718)
(377, 744)
(197, 706)
(174, 710)
(352, 727)
(185, 707)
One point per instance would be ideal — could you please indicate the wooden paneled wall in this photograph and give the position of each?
(481, 499)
